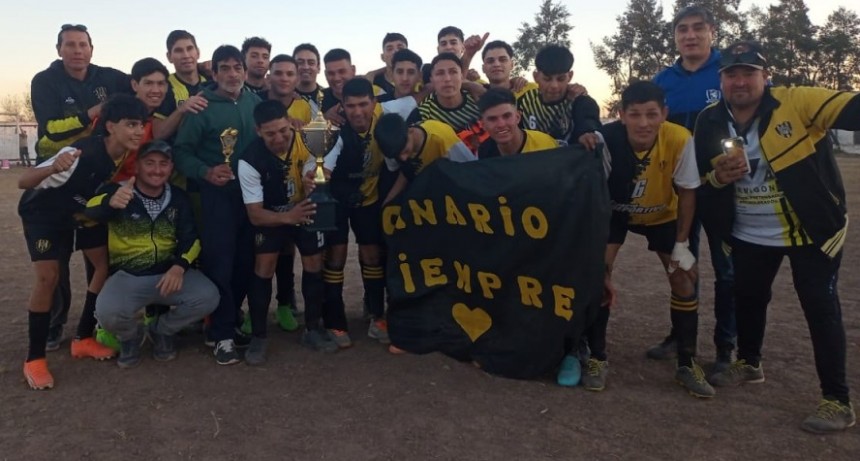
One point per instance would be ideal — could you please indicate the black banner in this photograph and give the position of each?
(498, 261)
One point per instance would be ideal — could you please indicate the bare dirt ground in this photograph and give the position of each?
(365, 404)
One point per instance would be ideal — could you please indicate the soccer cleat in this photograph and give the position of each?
(570, 371)
(37, 374)
(90, 348)
(830, 416)
(594, 378)
(739, 372)
(318, 341)
(256, 353)
(693, 379)
(378, 330)
(107, 338)
(55, 338)
(286, 319)
(341, 338)
(666, 350)
(225, 353)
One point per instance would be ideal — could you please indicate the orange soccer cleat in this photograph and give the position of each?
(89, 347)
(37, 374)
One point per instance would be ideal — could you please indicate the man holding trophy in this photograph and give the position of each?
(203, 152)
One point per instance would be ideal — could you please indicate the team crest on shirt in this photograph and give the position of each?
(101, 93)
(784, 129)
(70, 101)
(259, 239)
(43, 245)
(712, 95)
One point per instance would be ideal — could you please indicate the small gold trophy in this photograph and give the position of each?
(319, 135)
(228, 142)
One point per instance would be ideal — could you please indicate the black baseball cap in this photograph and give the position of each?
(744, 53)
(155, 147)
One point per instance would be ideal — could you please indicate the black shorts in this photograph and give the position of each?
(47, 243)
(91, 236)
(661, 237)
(276, 239)
(366, 223)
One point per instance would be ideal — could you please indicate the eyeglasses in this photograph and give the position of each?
(78, 27)
(751, 58)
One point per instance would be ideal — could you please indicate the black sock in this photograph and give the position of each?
(286, 280)
(88, 322)
(373, 278)
(259, 297)
(597, 334)
(313, 291)
(39, 324)
(685, 323)
(333, 313)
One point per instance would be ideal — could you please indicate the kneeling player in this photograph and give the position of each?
(501, 119)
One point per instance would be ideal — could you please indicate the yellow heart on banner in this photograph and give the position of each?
(475, 322)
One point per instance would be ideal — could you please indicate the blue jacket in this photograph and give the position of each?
(687, 93)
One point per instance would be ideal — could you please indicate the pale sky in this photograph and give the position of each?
(124, 32)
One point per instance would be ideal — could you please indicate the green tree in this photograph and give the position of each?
(640, 48)
(731, 24)
(839, 46)
(18, 105)
(788, 38)
(551, 26)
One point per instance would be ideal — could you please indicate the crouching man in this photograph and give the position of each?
(152, 243)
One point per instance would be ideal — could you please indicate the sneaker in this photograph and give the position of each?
(129, 352)
(246, 327)
(241, 340)
(107, 338)
(594, 378)
(693, 379)
(90, 348)
(256, 353)
(341, 338)
(830, 416)
(378, 330)
(286, 319)
(570, 371)
(739, 372)
(55, 338)
(225, 352)
(163, 348)
(318, 341)
(666, 350)
(37, 374)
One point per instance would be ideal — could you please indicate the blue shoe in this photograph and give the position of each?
(570, 371)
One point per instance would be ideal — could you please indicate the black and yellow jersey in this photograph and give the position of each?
(382, 82)
(565, 120)
(440, 141)
(533, 141)
(151, 234)
(275, 180)
(642, 184)
(312, 98)
(177, 93)
(465, 119)
(300, 109)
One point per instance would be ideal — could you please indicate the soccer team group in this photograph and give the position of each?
(134, 171)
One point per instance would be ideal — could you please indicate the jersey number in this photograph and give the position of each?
(639, 188)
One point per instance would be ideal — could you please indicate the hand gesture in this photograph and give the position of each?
(119, 200)
(300, 214)
(219, 175)
(474, 43)
(171, 281)
(65, 161)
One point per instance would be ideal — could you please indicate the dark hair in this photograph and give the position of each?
(225, 52)
(148, 66)
(394, 37)
(641, 92)
(268, 110)
(450, 30)
(693, 10)
(358, 87)
(390, 134)
(307, 47)
(120, 106)
(178, 35)
(494, 97)
(75, 27)
(255, 42)
(283, 58)
(554, 60)
(445, 57)
(406, 55)
(497, 44)
(337, 54)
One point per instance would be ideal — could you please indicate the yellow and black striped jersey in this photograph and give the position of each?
(440, 141)
(177, 92)
(554, 119)
(533, 141)
(464, 119)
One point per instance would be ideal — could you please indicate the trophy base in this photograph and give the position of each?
(324, 219)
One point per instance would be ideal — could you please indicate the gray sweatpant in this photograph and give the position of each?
(125, 294)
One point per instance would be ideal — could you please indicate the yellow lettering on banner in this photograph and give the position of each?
(535, 223)
(464, 277)
(452, 213)
(563, 301)
(406, 272)
(507, 220)
(489, 282)
(530, 290)
(481, 217)
(391, 220)
(423, 214)
(433, 272)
